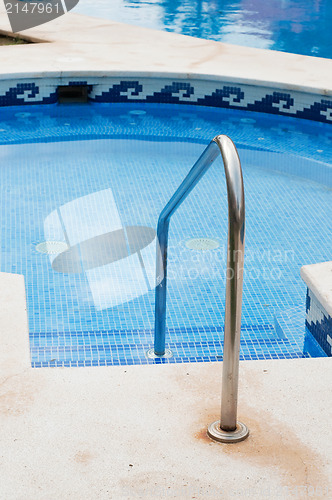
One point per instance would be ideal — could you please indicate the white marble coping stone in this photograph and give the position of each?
(81, 46)
(318, 278)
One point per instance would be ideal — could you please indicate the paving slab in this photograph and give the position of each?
(140, 432)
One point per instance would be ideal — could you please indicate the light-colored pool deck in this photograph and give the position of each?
(81, 45)
(140, 431)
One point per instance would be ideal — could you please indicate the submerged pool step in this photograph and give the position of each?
(192, 344)
(128, 354)
(142, 335)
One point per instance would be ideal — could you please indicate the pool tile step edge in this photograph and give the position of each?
(318, 278)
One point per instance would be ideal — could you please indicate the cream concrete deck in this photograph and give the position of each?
(140, 432)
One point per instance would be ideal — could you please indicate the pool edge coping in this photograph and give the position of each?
(173, 55)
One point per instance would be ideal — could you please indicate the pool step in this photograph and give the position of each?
(193, 344)
(145, 335)
(290, 322)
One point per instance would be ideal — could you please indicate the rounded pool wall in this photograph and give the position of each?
(168, 90)
(177, 70)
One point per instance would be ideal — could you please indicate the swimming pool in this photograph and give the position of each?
(287, 25)
(74, 175)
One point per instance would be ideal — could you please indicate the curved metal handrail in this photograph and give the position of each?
(228, 429)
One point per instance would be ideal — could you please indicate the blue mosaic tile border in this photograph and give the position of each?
(319, 322)
(166, 90)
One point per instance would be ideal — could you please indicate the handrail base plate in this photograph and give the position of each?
(217, 434)
(152, 355)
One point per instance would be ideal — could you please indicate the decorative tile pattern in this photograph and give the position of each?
(319, 322)
(167, 90)
(27, 92)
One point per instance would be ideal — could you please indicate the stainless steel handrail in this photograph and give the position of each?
(227, 429)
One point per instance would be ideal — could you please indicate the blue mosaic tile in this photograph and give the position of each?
(120, 92)
(135, 353)
(319, 323)
(25, 93)
(74, 160)
(172, 93)
(165, 90)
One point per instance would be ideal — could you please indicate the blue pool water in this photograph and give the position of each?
(297, 26)
(74, 176)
